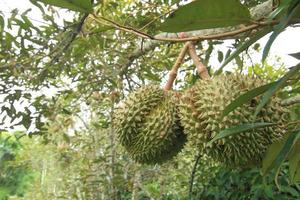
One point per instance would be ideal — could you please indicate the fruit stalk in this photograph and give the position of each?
(201, 68)
(174, 70)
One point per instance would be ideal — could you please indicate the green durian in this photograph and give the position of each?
(148, 126)
(201, 108)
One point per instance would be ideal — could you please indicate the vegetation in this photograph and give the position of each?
(62, 83)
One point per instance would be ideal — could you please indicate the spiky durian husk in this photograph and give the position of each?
(148, 125)
(201, 109)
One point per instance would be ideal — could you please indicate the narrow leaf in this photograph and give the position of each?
(279, 10)
(294, 162)
(246, 97)
(220, 56)
(239, 129)
(76, 5)
(278, 152)
(34, 2)
(296, 55)
(280, 27)
(206, 14)
(1, 23)
(280, 83)
(243, 46)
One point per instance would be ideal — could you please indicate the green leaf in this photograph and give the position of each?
(246, 97)
(280, 83)
(294, 5)
(206, 14)
(295, 55)
(34, 2)
(243, 46)
(76, 5)
(239, 129)
(239, 62)
(220, 56)
(1, 23)
(284, 4)
(294, 162)
(278, 152)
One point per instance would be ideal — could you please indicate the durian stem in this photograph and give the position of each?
(201, 68)
(174, 70)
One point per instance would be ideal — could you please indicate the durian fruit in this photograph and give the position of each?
(201, 108)
(148, 126)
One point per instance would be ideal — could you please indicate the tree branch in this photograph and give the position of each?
(193, 175)
(258, 12)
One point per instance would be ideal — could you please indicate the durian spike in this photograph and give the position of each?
(174, 70)
(201, 68)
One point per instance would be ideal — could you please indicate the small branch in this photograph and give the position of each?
(121, 27)
(71, 38)
(291, 101)
(174, 70)
(82, 120)
(135, 187)
(202, 70)
(193, 175)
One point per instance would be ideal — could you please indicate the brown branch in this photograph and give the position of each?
(202, 70)
(122, 27)
(174, 70)
(193, 175)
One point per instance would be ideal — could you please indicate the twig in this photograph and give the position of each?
(122, 27)
(193, 175)
(71, 38)
(291, 101)
(135, 187)
(202, 70)
(82, 120)
(174, 70)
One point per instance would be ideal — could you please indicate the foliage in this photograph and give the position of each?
(206, 14)
(77, 5)
(14, 176)
(247, 184)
